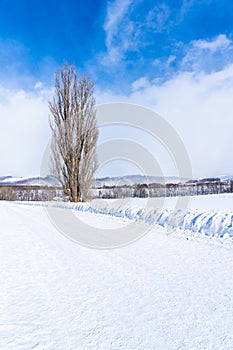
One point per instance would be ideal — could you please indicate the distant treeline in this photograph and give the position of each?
(190, 188)
(30, 193)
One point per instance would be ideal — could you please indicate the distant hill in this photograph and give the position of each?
(51, 181)
(135, 179)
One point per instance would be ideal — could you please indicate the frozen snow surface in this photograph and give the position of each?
(168, 290)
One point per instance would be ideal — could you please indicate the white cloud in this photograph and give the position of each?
(38, 85)
(140, 83)
(185, 8)
(116, 12)
(171, 59)
(200, 107)
(221, 42)
(157, 18)
(209, 55)
(127, 32)
(24, 131)
(197, 103)
(164, 66)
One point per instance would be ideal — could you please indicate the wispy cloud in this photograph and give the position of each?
(128, 27)
(116, 43)
(221, 42)
(158, 17)
(208, 55)
(187, 6)
(140, 83)
(115, 13)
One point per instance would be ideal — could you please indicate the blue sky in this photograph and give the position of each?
(175, 57)
(115, 42)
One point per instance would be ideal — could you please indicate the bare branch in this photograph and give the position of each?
(74, 131)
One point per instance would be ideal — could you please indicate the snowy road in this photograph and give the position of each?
(161, 292)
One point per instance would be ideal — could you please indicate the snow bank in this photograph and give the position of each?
(207, 222)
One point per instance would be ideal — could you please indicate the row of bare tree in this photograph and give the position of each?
(164, 190)
(30, 193)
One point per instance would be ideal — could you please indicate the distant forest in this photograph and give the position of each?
(51, 193)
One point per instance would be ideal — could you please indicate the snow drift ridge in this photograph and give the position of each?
(211, 223)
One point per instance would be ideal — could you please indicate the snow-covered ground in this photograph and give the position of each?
(164, 291)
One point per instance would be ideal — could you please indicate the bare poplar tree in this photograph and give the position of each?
(74, 133)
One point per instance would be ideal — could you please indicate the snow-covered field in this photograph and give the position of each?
(164, 291)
